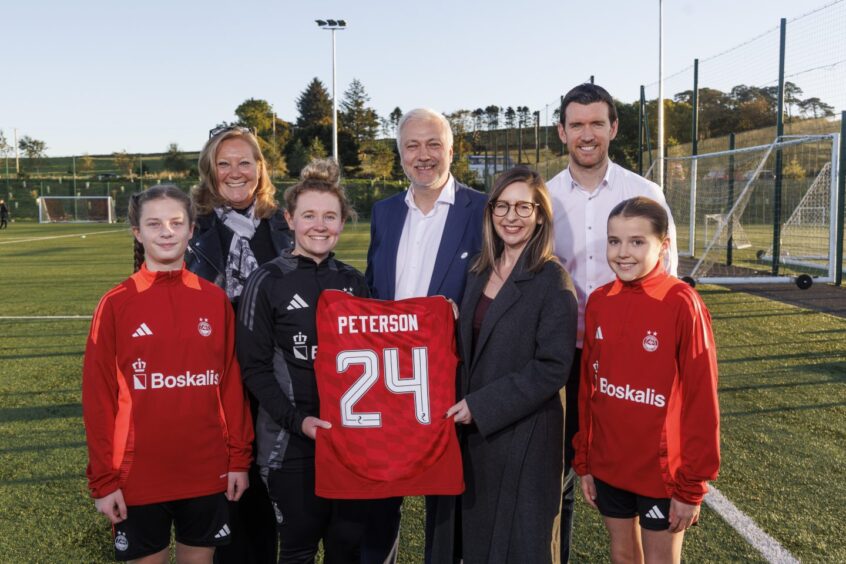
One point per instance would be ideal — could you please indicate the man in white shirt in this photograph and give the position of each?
(421, 244)
(582, 197)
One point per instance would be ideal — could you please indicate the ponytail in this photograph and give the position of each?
(134, 219)
(138, 255)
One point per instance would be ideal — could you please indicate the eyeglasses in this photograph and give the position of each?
(522, 209)
(223, 128)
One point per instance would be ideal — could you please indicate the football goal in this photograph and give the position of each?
(76, 209)
(804, 239)
(738, 220)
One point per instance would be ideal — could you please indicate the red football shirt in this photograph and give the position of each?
(649, 416)
(386, 377)
(162, 399)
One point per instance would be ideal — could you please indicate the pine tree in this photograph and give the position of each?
(316, 149)
(297, 158)
(314, 105)
(395, 117)
(362, 122)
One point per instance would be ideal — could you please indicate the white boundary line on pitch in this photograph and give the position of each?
(743, 524)
(60, 236)
(44, 317)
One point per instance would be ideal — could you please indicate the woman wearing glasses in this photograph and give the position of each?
(517, 337)
(239, 227)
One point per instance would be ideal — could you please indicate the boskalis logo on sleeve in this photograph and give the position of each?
(159, 380)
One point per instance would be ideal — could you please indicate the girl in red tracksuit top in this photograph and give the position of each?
(166, 421)
(648, 413)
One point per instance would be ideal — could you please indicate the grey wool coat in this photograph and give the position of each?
(513, 450)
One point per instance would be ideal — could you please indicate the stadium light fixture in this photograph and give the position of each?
(333, 26)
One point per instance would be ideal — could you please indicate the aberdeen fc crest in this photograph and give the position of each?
(204, 327)
(121, 542)
(650, 342)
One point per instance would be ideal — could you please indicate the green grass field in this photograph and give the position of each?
(782, 372)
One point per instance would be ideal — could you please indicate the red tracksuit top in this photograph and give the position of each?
(162, 399)
(386, 376)
(648, 414)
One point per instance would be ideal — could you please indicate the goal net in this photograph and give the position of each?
(729, 234)
(76, 209)
(730, 228)
(804, 239)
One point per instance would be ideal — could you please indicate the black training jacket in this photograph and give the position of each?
(276, 341)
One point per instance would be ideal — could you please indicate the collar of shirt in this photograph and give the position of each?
(447, 196)
(655, 284)
(606, 181)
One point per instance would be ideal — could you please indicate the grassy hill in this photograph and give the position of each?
(761, 136)
(55, 167)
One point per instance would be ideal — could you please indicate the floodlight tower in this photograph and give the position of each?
(333, 26)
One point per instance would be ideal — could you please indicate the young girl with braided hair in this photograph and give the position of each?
(167, 425)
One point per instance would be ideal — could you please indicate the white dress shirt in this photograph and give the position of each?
(419, 243)
(580, 218)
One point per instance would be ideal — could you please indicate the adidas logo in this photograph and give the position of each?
(224, 532)
(598, 335)
(655, 513)
(142, 331)
(297, 303)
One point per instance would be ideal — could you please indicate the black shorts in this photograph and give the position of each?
(621, 504)
(199, 521)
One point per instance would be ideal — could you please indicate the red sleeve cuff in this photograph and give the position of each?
(691, 497)
(103, 487)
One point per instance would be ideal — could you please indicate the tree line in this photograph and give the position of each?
(367, 148)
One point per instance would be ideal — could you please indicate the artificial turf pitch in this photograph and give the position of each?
(782, 376)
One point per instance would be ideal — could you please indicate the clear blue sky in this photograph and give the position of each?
(100, 76)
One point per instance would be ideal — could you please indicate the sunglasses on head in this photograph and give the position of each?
(224, 128)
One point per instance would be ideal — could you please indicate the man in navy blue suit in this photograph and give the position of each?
(421, 244)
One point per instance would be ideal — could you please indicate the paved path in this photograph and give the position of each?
(825, 298)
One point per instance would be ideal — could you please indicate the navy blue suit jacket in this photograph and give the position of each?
(461, 241)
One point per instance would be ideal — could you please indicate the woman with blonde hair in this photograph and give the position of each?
(239, 227)
(239, 224)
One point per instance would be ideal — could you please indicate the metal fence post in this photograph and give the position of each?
(730, 202)
(841, 205)
(694, 164)
(640, 133)
(777, 195)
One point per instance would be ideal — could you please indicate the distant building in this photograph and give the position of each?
(477, 164)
